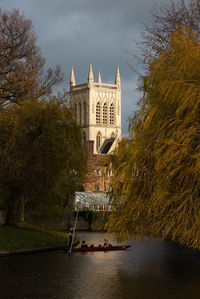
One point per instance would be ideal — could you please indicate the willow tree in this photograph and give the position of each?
(157, 169)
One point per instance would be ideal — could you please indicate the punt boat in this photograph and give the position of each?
(110, 248)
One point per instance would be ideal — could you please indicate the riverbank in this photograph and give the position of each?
(26, 237)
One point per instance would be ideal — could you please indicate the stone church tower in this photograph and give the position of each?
(97, 109)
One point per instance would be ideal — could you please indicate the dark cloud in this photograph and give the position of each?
(101, 32)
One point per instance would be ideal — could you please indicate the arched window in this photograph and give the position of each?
(80, 114)
(98, 141)
(97, 187)
(75, 112)
(98, 115)
(98, 171)
(84, 113)
(112, 114)
(105, 113)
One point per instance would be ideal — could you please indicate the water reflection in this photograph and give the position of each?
(149, 269)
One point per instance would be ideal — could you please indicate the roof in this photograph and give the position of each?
(106, 145)
(94, 200)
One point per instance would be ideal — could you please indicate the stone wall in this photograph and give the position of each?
(96, 179)
(86, 223)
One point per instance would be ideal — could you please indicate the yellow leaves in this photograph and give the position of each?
(159, 166)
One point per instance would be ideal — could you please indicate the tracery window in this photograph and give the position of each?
(105, 113)
(98, 141)
(98, 114)
(84, 113)
(80, 114)
(112, 114)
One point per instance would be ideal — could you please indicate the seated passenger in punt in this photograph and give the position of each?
(84, 244)
(106, 243)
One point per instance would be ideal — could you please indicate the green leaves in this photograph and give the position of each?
(41, 153)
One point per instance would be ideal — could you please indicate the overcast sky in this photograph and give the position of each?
(80, 32)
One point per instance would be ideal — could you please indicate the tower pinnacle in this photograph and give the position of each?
(99, 77)
(90, 75)
(117, 77)
(72, 78)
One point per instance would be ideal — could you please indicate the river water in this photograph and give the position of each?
(149, 269)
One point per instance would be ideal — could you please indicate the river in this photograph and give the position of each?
(149, 269)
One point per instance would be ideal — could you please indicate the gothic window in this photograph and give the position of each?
(112, 114)
(98, 113)
(80, 114)
(97, 187)
(98, 141)
(75, 112)
(113, 135)
(84, 113)
(105, 113)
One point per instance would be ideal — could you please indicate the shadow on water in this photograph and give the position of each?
(149, 269)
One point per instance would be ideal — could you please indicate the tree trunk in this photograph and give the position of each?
(15, 211)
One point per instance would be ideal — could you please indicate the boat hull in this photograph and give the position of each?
(111, 248)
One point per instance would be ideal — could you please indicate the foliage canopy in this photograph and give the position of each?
(41, 156)
(157, 169)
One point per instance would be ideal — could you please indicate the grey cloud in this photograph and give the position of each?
(79, 32)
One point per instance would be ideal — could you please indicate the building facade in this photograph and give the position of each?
(97, 109)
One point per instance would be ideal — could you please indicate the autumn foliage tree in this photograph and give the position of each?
(22, 73)
(157, 169)
(41, 157)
